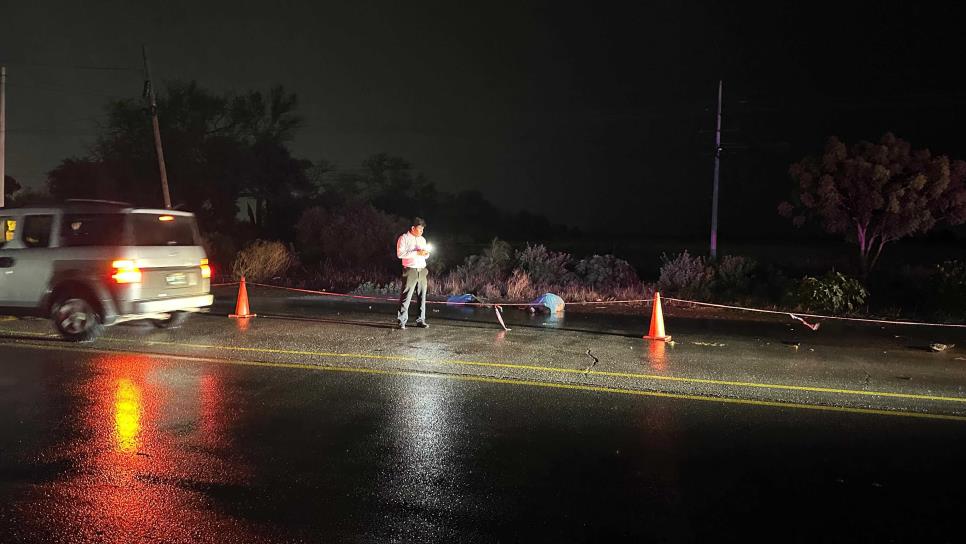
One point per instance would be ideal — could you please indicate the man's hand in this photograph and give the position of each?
(422, 252)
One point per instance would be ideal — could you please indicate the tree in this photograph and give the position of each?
(217, 149)
(877, 193)
(277, 182)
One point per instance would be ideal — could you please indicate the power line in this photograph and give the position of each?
(69, 124)
(76, 67)
(47, 130)
(64, 90)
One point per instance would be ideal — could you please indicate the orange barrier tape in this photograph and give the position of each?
(794, 315)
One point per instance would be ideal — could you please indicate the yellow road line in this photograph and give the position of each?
(505, 381)
(547, 369)
(462, 362)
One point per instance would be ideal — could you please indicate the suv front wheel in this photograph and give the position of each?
(76, 319)
(173, 321)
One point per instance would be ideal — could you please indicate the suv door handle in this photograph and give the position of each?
(6, 262)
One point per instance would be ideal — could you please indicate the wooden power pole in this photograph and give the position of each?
(3, 131)
(153, 106)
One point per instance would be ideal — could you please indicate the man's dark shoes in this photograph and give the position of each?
(422, 324)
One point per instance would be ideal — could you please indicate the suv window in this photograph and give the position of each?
(164, 230)
(92, 229)
(36, 230)
(8, 230)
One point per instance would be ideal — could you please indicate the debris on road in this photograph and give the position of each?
(812, 326)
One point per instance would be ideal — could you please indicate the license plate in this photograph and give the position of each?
(179, 278)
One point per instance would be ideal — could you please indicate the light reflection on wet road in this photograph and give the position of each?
(122, 448)
(136, 449)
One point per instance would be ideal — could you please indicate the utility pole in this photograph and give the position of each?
(153, 106)
(3, 131)
(714, 197)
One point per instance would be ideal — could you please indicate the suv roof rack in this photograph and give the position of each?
(97, 201)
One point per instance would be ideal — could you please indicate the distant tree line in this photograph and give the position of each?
(222, 150)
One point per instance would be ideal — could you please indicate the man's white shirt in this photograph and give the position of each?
(406, 248)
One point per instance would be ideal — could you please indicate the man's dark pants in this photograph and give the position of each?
(415, 280)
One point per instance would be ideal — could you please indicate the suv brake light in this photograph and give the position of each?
(126, 272)
(205, 269)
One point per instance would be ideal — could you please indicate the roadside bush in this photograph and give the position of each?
(606, 273)
(262, 260)
(733, 276)
(518, 287)
(491, 291)
(355, 237)
(772, 286)
(686, 276)
(833, 292)
(499, 272)
(546, 268)
(950, 288)
(479, 272)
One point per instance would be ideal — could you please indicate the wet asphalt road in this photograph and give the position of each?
(111, 447)
(330, 426)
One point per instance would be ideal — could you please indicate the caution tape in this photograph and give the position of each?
(799, 316)
(498, 307)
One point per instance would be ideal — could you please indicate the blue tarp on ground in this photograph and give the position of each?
(456, 299)
(548, 302)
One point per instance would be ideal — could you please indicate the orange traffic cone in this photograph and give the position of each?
(657, 321)
(241, 306)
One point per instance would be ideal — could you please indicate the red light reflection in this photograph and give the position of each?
(242, 323)
(143, 452)
(656, 357)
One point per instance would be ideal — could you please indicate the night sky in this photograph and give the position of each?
(598, 115)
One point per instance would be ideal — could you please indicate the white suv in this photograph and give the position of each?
(91, 264)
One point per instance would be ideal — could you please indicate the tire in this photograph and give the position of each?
(174, 320)
(76, 319)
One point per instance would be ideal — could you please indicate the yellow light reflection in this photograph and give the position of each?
(127, 415)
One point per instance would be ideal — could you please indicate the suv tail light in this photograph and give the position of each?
(205, 269)
(126, 272)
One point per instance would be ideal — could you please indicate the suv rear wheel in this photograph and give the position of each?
(76, 319)
(174, 320)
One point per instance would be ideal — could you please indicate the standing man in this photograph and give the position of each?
(412, 249)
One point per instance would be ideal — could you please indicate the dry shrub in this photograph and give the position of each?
(491, 291)
(580, 293)
(686, 276)
(262, 260)
(518, 287)
(545, 267)
(450, 284)
(606, 273)
(481, 271)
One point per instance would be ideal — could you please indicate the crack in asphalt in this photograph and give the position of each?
(596, 360)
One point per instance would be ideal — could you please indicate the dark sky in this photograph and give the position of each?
(599, 115)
